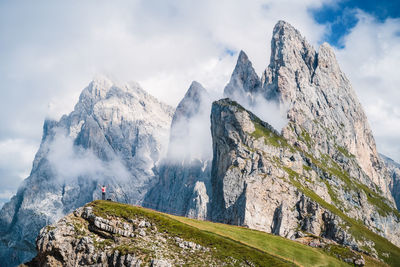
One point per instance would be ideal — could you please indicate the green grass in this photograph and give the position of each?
(356, 228)
(305, 136)
(102, 244)
(292, 251)
(270, 138)
(225, 248)
(345, 152)
(340, 252)
(244, 244)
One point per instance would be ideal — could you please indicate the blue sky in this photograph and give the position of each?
(50, 50)
(341, 16)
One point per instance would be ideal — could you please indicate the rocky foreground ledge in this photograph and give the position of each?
(104, 233)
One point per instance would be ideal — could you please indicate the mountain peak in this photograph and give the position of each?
(99, 86)
(190, 104)
(327, 58)
(195, 90)
(289, 47)
(314, 89)
(244, 80)
(282, 25)
(242, 57)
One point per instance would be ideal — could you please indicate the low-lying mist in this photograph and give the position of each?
(69, 162)
(191, 137)
(269, 111)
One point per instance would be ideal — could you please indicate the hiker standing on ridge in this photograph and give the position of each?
(103, 192)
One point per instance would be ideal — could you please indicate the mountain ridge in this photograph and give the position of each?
(262, 182)
(150, 237)
(320, 176)
(183, 186)
(115, 134)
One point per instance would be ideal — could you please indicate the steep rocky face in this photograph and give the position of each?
(394, 178)
(114, 136)
(322, 104)
(261, 181)
(244, 83)
(326, 120)
(184, 176)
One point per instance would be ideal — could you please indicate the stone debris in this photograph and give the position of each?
(82, 239)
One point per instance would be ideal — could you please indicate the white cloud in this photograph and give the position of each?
(371, 59)
(50, 51)
(16, 156)
(70, 162)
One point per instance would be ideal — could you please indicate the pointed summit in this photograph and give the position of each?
(319, 97)
(195, 91)
(191, 102)
(244, 80)
(243, 57)
(282, 26)
(291, 50)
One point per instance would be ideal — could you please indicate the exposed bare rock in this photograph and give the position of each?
(394, 178)
(83, 238)
(111, 234)
(261, 181)
(184, 180)
(115, 136)
(244, 82)
(321, 103)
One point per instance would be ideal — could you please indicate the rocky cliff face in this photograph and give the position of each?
(322, 104)
(115, 136)
(261, 181)
(325, 120)
(321, 175)
(394, 178)
(184, 180)
(244, 83)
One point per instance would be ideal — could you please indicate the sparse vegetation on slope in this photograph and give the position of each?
(386, 250)
(292, 251)
(259, 248)
(224, 248)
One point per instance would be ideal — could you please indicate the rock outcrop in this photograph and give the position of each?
(104, 233)
(115, 136)
(320, 176)
(184, 176)
(261, 181)
(83, 238)
(325, 121)
(394, 178)
(322, 104)
(244, 85)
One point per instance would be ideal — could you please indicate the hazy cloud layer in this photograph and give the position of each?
(50, 51)
(70, 162)
(371, 60)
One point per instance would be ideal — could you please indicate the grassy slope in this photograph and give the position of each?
(230, 241)
(281, 247)
(358, 230)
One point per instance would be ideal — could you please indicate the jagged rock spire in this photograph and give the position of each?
(190, 103)
(116, 130)
(291, 52)
(244, 81)
(184, 175)
(320, 101)
(188, 107)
